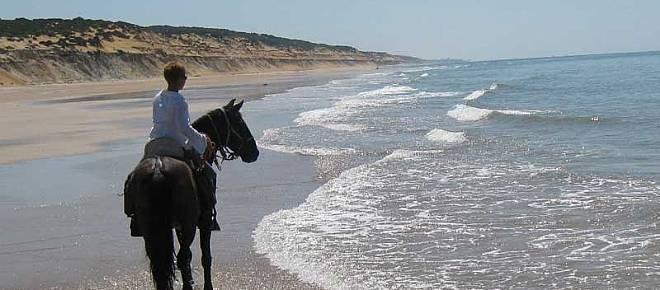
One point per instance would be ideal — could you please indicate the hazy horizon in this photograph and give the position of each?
(469, 30)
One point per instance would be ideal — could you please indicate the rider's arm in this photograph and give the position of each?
(182, 120)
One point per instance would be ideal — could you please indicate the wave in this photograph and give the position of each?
(327, 118)
(338, 117)
(271, 137)
(419, 69)
(425, 68)
(405, 154)
(291, 238)
(393, 89)
(421, 209)
(480, 93)
(278, 235)
(332, 117)
(424, 75)
(446, 137)
(307, 151)
(424, 95)
(467, 113)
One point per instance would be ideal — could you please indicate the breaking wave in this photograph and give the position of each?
(470, 114)
(446, 137)
(480, 93)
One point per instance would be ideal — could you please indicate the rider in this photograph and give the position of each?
(170, 113)
(171, 120)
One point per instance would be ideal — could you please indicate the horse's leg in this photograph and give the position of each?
(184, 257)
(205, 244)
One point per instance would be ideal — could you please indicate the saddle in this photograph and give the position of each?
(170, 148)
(163, 147)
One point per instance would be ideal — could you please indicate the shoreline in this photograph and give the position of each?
(65, 119)
(82, 239)
(95, 88)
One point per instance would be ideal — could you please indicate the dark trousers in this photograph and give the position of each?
(206, 186)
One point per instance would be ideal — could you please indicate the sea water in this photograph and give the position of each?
(533, 173)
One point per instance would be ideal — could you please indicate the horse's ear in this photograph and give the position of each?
(230, 104)
(238, 106)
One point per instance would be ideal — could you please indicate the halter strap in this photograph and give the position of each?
(225, 151)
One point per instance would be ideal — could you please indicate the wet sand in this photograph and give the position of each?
(77, 238)
(63, 224)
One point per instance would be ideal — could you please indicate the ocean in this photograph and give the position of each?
(531, 173)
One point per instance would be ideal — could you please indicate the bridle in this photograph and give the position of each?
(226, 152)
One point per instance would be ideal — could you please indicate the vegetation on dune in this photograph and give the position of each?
(266, 39)
(25, 28)
(22, 27)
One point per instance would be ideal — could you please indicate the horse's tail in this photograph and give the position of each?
(156, 226)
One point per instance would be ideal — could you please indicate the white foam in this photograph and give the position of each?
(335, 117)
(424, 75)
(404, 154)
(270, 138)
(467, 113)
(278, 239)
(518, 113)
(307, 151)
(420, 69)
(480, 93)
(475, 95)
(364, 103)
(446, 137)
(379, 225)
(389, 90)
(424, 95)
(327, 118)
(401, 154)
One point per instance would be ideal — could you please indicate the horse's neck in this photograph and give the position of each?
(204, 125)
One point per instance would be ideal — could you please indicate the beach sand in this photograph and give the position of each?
(64, 119)
(65, 154)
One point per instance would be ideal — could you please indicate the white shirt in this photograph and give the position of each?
(171, 119)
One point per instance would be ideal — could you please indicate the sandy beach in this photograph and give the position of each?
(65, 152)
(65, 119)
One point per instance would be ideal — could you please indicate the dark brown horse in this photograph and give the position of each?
(166, 198)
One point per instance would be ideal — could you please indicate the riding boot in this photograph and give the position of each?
(135, 230)
(129, 189)
(129, 205)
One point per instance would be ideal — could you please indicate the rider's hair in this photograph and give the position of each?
(173, 71)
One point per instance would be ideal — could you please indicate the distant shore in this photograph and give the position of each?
(47, 51)
(43, 121)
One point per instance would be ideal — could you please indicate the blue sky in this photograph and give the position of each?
(468, 29)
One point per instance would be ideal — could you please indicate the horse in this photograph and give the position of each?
(165, 198)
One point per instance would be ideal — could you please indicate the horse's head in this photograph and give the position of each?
(226, 127)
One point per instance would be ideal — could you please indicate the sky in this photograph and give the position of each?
(430, 29)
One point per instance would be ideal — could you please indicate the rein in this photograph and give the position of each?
(225, 151)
